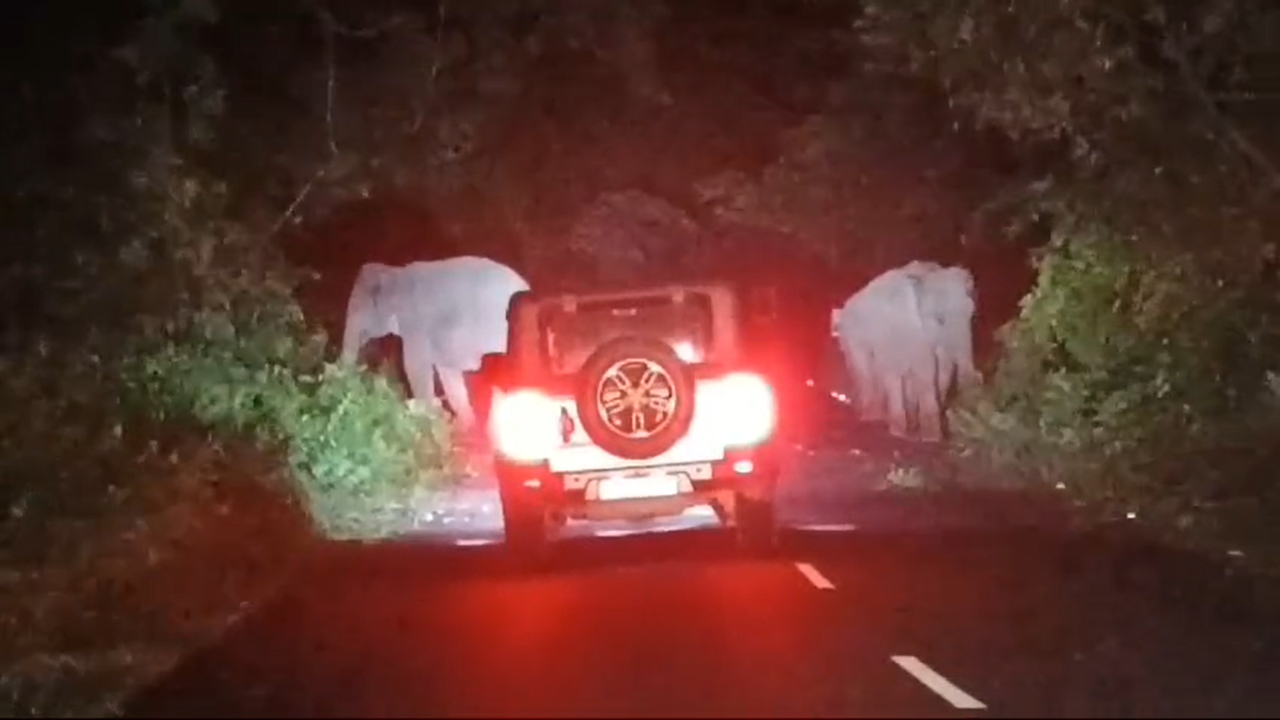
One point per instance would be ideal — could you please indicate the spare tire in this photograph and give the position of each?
(635, 397)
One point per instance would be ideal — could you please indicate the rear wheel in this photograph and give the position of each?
(635, 397)
(525, 526)
(755, 522)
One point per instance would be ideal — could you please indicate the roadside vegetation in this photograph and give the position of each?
(176, 435)
(1140, 373)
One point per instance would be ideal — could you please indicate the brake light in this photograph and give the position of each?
(524, 425)
(687, 351)
(742, 407)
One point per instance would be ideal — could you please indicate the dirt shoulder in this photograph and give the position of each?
(1223, 538)
(1218, 528)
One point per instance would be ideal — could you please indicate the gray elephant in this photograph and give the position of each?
(905, 337)
(448, 314)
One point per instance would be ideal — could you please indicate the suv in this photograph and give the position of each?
(631, 404)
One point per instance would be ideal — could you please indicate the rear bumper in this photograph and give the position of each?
(750, 472)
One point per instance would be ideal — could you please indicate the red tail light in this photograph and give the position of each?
(524, 425)
(528, 425)
(741, 406)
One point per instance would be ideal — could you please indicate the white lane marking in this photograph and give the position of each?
(931, 679)
(826, 527)
(811, 574)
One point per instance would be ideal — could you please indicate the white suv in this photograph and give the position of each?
(631, 404)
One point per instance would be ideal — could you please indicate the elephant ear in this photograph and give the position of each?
(367, 293)
(373, 280)
(964, 278)
(951, 291)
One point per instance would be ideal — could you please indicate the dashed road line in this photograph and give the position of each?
(816, 578)
(826, 527)
(933, 680)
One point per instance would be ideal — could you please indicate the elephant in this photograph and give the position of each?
(904, 337)
(448, 314)
(890, 353)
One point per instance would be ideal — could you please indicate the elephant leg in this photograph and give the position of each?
(928, 407)
(945, 376)
(854, 377)
(874, 399)
(454, 383)
(969, 376)
(419, 370)
(867, 388)
(896, 400)
(480, 393)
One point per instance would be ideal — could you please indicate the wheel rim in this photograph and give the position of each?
(636, 398)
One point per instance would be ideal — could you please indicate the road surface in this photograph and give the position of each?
(998, 623)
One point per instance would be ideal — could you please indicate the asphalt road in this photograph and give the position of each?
(996, 623)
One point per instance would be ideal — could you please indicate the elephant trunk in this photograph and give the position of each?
(352, 340)
(967, 373)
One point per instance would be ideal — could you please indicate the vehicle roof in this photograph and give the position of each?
(630, 293)
(523, 344)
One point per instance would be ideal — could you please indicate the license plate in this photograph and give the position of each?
(634, 488)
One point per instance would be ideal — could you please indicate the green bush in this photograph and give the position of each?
(155, 300)
(220, 338)
(1120, 369)
(358, 455)
(236, 355)
(1140, 373)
